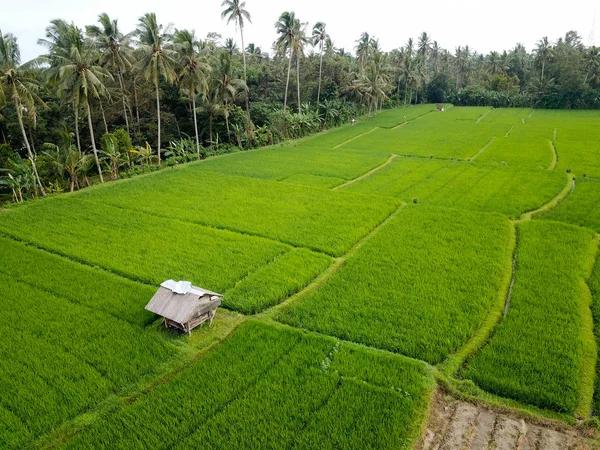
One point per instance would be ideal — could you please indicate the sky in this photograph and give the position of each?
(483, 25)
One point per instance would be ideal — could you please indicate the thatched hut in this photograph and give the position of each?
(440, 107)
(184, 306)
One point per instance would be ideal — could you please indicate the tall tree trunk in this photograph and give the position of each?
(26, 141)
(103, 116)
(210, 136)
(89, 114)
(120, 75)
(196, 125)
(320, 75)
(245, 78)
(137, 109)
(405, 90)
(158, 115)
(76, 109)
(287, 83)
(32, 143)
(543, 67)
(298, 80)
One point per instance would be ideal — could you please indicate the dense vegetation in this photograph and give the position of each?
(103, 102)
(379, 233)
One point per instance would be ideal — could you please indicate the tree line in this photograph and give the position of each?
(102, 102)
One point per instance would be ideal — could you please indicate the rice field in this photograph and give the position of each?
(582, 207)
(284, 388)
(421, 286)
(355, 264)
(540, 353)
(465, 185)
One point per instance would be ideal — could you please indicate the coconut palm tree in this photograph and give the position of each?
(156, 58)
(297, 49)
(19, 86)
(115, 54)
(235, 10)
(285, 27)
(60, 37)
(193, 72)
(230, 46)
(542, 54)
(320, 37)
(226, 84)
(81, 78)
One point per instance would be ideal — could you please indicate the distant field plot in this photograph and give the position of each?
(273, 283)
(86, 286)
(279, 163)
(421, 286)
(314, 180)
(140, 246)
(314, 218)
(527, 145)
(577, 139)
(270, 387)
(59, 358)
(389, 118)
(538, 353)
(464, 185)
(582, 207)
(451, 134)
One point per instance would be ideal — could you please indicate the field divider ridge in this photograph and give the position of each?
(368, 174)
(590, 346)
(554, 161)
(406, 122)
(509, 131)
(326, 275)
(484, 115)
(560, 197)
(452, 365)
(356, 137)
(490, 142)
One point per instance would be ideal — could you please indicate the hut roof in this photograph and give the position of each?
(180, 301)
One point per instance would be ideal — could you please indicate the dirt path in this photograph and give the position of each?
(458, 425)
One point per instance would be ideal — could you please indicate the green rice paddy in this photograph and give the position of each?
(352, 264)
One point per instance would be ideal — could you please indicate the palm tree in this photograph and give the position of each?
(363, 50)
(230, 46)
(591, 60)
(115, 54)
(424, 46)
(542, 54)
(17, 84)
(297, 49)
(60, 37)
(157, 59)
(193, 74)
(81, 79)
(235, 10)
(319, 36)
(226, 84)
(286, 27)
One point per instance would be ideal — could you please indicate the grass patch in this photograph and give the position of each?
(582, 207)
(464, 185)
(421, 286)
(273, 283)
(537, 354)
(266, 387)
(297, 215)
(140, 246)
